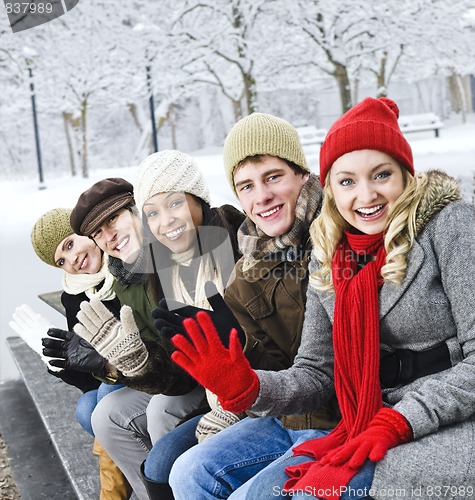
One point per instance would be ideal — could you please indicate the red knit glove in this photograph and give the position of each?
(334, 470)
(387, 429)
(328, 479)
(225, 372)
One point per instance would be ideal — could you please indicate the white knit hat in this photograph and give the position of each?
(168, 171)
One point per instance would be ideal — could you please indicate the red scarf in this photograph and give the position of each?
(356, 365)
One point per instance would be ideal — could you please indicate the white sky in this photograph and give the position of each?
(24, 276)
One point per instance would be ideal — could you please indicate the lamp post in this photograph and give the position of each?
(29, 53)
(146, 33)
(152, 107)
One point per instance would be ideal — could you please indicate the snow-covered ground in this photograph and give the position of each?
(24, 276)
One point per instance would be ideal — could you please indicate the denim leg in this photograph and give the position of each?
(84, 408)
(269, 483)
(224, 462)
(360, 484)
(168, 448)
(87, 403)
(105, 389)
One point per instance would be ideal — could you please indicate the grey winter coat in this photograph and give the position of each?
(433, 305)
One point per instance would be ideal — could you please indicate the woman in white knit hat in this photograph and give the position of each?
(188, 243)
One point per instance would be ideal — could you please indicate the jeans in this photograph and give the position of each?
(268, 484)
(223, 463)
(88, 401)
(168, 448)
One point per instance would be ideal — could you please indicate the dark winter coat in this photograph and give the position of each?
(268, 299)
(162, 375)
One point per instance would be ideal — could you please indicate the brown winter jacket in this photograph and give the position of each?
(269, 302)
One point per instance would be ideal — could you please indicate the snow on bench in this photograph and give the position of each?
(420, 122)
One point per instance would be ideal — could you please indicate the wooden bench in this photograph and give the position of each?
(56, 405)
(420, 122)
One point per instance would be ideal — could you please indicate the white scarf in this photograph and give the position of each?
(74, 284)
(206, 272)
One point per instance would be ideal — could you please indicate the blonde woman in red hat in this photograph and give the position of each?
(389, 328)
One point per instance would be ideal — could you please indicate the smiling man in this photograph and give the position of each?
(267, 169)
(268, 189)
(106, 213)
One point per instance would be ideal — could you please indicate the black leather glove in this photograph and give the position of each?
(74, 352)
(85, 382)
(170, 314)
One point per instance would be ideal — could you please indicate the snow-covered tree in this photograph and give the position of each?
(218, 42)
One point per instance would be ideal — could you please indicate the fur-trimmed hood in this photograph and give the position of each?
(441, 189)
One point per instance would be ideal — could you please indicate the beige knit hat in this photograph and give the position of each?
(262, 134)
(168, 171)
(49, 231)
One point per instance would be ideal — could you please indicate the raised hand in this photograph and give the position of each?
(118, 341)
(72, 352)
(31, 326)
(225, 372)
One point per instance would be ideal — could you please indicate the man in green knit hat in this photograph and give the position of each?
(266, 167)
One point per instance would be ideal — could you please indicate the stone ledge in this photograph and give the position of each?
(56, 404)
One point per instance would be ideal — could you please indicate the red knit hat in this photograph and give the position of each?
(371, 124)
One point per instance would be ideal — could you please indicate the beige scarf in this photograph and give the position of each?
(207, 271)
(217, 419)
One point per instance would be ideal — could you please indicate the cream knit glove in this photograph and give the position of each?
(215, 420)
(118, 341)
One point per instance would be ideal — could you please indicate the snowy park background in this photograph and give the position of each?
(24, 276)
(206, 64)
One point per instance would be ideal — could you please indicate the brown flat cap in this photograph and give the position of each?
(100, 201)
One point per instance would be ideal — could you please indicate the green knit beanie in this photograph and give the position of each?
(49, 231)
(262, 134)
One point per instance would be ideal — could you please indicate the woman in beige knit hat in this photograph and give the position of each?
(193, 244)
(86, 275)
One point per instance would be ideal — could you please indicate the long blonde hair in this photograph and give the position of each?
(327, 229)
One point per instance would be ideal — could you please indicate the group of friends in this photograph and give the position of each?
(319, 343)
